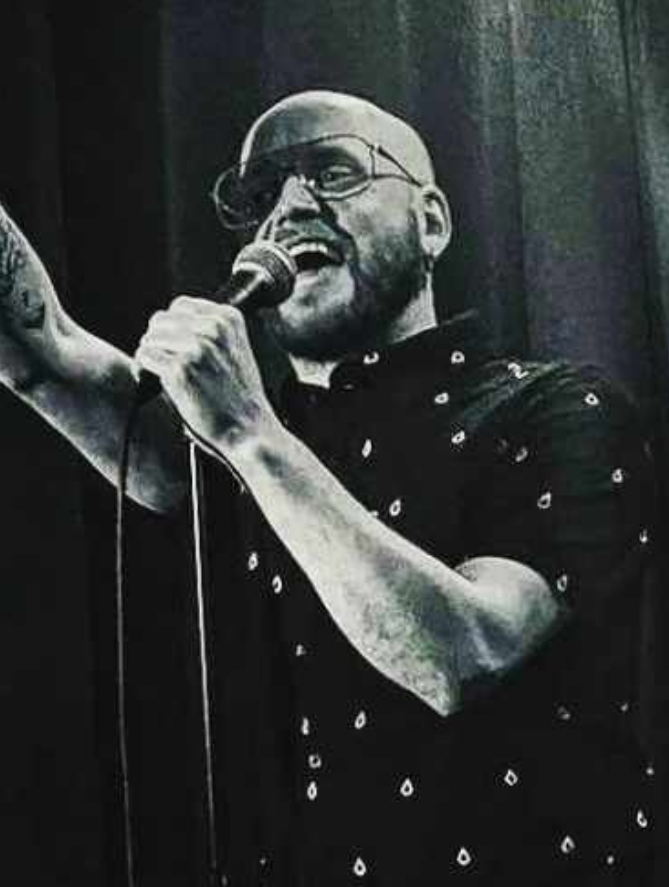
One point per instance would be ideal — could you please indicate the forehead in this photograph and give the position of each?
(313, 115)
(287, 126)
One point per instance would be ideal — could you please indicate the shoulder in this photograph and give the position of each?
(556, 390)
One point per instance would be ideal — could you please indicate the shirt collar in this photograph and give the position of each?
(450, 347)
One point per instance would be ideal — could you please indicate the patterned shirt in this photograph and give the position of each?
(329, 773)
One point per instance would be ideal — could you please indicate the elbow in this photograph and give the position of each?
(502, 645)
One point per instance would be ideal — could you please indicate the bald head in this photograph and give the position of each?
(314, 114)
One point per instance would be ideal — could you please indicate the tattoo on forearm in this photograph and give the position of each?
(12, 257)
(27, 306)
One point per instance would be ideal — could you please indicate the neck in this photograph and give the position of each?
(419, 315)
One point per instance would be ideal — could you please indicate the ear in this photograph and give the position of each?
(436, 225)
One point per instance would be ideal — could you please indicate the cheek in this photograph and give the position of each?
(381, 232)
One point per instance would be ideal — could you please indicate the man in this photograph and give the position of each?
(438, 555)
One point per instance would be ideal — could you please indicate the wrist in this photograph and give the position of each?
(256, 446)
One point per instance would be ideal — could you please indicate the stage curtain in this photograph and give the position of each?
(549, 126)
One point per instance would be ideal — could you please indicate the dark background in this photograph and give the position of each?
(549, 124)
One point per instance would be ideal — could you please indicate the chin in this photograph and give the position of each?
(319, 320)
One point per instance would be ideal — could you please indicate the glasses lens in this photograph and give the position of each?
(333, 167)
(245, 194)
(337, 167)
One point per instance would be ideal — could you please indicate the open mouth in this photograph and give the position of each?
(314, 255)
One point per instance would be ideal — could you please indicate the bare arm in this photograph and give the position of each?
(424, 625)
(80, 384)
(430, 628)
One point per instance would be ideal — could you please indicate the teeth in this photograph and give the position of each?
(305, 247)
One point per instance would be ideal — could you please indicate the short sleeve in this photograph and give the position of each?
(567, 490)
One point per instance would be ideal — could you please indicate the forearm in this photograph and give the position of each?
(424, 625)
(87, 396)
(80, 384)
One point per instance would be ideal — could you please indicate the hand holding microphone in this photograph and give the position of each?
(199, 353)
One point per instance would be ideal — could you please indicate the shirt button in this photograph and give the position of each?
(315, 762)
(300, 650)
(458, 438)
(641, 819)
(253, 561)
(591, 399)
(618, 476)
(644, 537)
(521, 455)
(277, 584)
(312, 791)
(442, 398)
(457, 358)
(367, 448)
(305, 726)
(371, 357)
(610, 859)
(563, 713)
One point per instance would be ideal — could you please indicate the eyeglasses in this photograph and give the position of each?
(332, 167)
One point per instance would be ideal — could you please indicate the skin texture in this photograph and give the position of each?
(425, 625)
(80, 384)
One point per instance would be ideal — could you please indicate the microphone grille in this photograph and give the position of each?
(274, 262)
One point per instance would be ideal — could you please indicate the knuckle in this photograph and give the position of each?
(182, 301)
(155, 320)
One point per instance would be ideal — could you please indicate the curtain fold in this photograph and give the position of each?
(549, 126)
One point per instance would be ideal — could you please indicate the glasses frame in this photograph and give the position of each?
(376, 149)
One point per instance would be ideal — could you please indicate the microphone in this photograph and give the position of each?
(263, 275)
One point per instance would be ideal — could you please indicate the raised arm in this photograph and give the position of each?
(80, 384)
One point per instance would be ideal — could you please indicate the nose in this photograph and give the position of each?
(296, 201)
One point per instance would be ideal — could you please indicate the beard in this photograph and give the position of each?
(383, 286)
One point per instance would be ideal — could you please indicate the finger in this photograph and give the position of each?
(190, 338)
(190, 306)
(155, 358)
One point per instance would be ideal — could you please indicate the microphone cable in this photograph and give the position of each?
(121, 700)
(199, 543)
